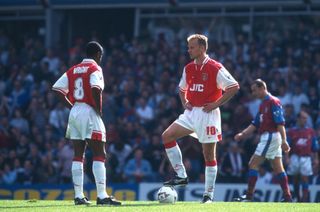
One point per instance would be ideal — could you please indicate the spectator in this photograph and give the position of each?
(284, 95)
(298, 98)
(58, 118)
(264, 177)
(138, 169)
(53, 62)
(19, 96)
(155, 152)
(47, 173)
(26, 174)
(289, 115)
(5, 140)
(9, 175)
(144, 111)
(233, 164)
(121, 150)
(65, 156)
(19, 122)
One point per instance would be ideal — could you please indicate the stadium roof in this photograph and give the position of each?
(144, 3)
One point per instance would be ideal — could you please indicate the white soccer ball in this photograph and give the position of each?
(167, 194)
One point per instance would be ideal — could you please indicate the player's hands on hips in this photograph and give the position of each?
(285, 147)
(208, 107)
(238, 137)
(188, 106)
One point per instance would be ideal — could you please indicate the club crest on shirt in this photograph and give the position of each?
(277, 113)
(204, 76)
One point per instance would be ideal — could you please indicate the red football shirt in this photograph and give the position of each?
(302, 140)
(77, 82)
(204, 83)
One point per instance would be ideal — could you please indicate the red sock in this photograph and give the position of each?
(252, 179)
(283, 181)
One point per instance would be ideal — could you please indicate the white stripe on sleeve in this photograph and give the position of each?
(96, 80)
(183, 81)
(225, 80)
(62, 84)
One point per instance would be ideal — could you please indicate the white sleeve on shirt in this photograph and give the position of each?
(96, 80)
(62, 84)
(225, 80)
(183, 81)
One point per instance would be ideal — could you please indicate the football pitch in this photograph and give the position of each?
(149, 206)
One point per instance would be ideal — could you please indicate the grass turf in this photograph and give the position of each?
(150, 206)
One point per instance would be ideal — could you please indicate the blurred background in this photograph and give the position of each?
(145, 52)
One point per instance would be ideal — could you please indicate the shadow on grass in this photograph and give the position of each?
(34, 205)
(129, 205)
(37, 204)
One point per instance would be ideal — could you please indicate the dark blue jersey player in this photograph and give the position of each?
(270, 123)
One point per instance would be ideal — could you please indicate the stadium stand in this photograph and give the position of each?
(142, 74)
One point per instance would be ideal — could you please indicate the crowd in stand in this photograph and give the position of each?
(141, 100)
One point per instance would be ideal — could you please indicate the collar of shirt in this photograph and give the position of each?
(301, 128)
(206, 59)
(267, 97)
(87, 60)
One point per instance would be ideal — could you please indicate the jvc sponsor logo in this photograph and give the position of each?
(197, 87)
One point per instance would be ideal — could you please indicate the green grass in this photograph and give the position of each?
(149, 206)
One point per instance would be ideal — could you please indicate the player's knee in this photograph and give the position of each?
(209, 155)
(78, 154)
(99, 153)
(166, 136)
(278, 170)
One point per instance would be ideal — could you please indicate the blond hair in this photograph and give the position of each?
(202, 39)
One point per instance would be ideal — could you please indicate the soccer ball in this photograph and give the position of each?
(167, 194)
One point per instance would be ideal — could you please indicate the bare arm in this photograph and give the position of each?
(96, 94)
(285, 146)
(228, 94)
(63, 99)
(246, 132)
(184, 102)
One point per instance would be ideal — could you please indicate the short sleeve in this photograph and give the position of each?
(277, 113)
(96, 80)
(225, 80)
(183, 81)
(256, 121)
(62, 85)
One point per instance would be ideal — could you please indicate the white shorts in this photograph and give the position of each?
(206, 126)
(84, 123)
(269, 145)
(300, 165)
